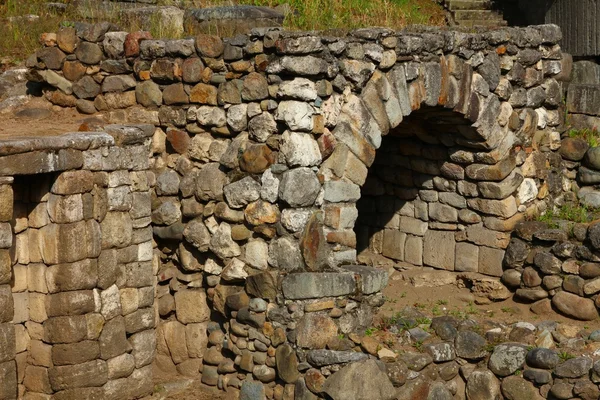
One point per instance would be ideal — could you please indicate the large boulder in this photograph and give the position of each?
(363, 380)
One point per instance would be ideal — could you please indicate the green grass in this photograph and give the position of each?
(568, 212)
(20, 38)
(592, 136)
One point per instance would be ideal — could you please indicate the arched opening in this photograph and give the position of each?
(434, 197)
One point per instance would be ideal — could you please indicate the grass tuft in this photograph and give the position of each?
(592, 136)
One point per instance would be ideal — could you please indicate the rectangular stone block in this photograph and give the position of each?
(73, 182)
(35, 254)
(6, 235)
(75, 353)
(144, 347)
(467, 257)
(7, 342)
(89, 374)
(438, 249)
(6, 203)
(141, 206)
(76, 302)
(36, 278)
(485, 237)
(6, 304)
(21, 338)
(413, 226)
(5, 266)
(393, 244)
(8, 380)
(38, 216)
(413, 250)
(107, 268)
(66, 329)
(40, 354)
(314, 285)
(37, 307)
(140, 320)
(113, 340)
(490, 261)
(139, 274)
(36, 380)
(72, 276)
(503, 208)
(21, 302)
(117, 230)
(65, 209)
(64, 243)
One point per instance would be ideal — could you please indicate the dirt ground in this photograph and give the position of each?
(452, 300)
(39, 118)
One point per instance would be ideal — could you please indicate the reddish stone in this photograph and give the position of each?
(314, 380)
(179, 140)
(209, 45)
(313, 243)
(191, 70)
(132, 42)
(327, 143)
(257, 158)
(73, 70)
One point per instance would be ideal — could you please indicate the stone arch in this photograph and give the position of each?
(480, 155)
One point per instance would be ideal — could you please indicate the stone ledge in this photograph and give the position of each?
(75, 140)
(358, 279)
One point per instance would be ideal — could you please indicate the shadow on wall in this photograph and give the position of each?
(524, 12)
(419, 206)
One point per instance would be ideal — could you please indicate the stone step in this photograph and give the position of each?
(454, 5)
(486, 23)
(480, 15)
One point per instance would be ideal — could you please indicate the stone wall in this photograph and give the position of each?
(264, 144)
(555, 261)
(79, 273)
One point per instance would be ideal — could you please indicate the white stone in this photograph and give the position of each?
(237, 117)
(222, 244)
(300, 149)
(296, 114)
(527, 191)
(294, 219)
(270, 186)
(299, 88)
(542, 117)
(211, 116)
(234, 271)
(211, 267)
(145, 251)
(262, 126)
(111, 302)
(113, 43)
(331, 109)
(256, 254)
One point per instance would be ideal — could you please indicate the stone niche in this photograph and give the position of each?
(76, 277)
(428, 202)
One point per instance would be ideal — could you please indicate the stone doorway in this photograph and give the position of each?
(427, 202)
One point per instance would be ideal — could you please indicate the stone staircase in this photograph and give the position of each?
(471, 13)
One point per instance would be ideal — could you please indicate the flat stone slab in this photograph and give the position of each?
(371, 280)
(74, 140)
(359, 279)
(314, 285)
(234, 12)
